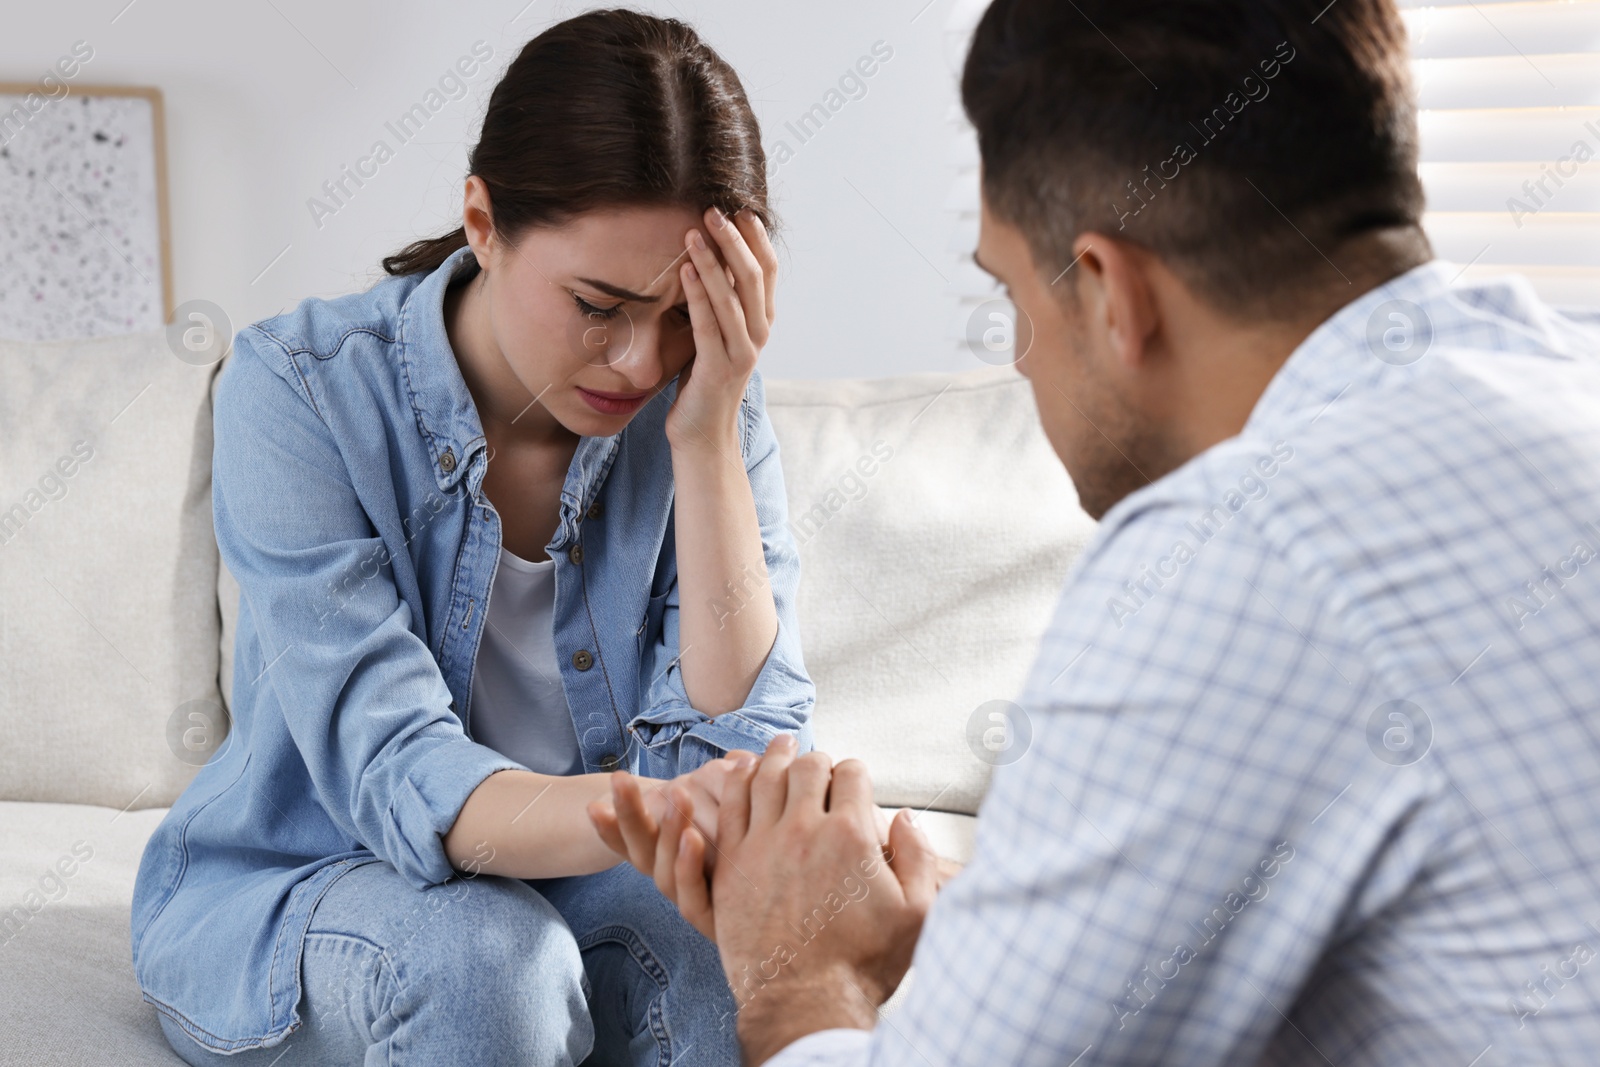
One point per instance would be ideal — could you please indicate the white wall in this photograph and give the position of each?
(267, 100)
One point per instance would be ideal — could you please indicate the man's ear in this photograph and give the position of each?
(1114, 288)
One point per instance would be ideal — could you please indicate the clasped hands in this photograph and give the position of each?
(787, 864)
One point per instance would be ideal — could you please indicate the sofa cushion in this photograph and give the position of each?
(66, 878)
(935, 526)
(108, 563)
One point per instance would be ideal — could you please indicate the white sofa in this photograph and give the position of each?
(935, 528)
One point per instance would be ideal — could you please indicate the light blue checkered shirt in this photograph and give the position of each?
(1314, 774)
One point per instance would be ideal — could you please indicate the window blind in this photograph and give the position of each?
(1509, 99)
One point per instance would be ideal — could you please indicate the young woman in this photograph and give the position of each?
(507, 521)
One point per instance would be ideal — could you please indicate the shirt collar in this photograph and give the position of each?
(1381, 334)
(446, 414)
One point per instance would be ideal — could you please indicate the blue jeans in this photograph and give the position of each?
(594, 969)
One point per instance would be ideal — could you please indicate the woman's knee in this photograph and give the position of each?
(487, 926)
(451, 931)
(484, 962)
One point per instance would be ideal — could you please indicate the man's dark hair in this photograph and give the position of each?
(1243, 141)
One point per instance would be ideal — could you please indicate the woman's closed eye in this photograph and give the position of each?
(590, 311)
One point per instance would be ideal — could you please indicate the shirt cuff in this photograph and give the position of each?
(436, 788)
(826, 1048)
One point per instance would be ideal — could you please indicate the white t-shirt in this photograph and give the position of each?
(518, 705)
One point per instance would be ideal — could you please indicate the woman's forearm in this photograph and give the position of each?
(727, 621)
(522, 824)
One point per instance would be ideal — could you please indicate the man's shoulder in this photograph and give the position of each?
(1482, 437)
(1417, 500)
(1493, 425)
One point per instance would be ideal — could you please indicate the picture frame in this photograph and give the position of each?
(85, 245)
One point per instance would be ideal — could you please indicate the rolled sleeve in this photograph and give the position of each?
(362, 697)
(677, 736)
(440, 778)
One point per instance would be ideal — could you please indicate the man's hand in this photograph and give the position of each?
(631, 824)
(815, 918)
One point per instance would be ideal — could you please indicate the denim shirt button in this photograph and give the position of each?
(575, 553)
(582, 660)
(595, 510)
(447, 462)
(610, 761)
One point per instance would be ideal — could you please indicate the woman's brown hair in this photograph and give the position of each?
(611, 108)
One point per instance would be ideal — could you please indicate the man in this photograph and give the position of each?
(1315, 773)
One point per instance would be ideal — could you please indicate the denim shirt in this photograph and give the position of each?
(347, 496)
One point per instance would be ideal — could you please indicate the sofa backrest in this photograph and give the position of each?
(108, 593)
(935, 526)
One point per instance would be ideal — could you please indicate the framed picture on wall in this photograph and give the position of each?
(85, 247)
